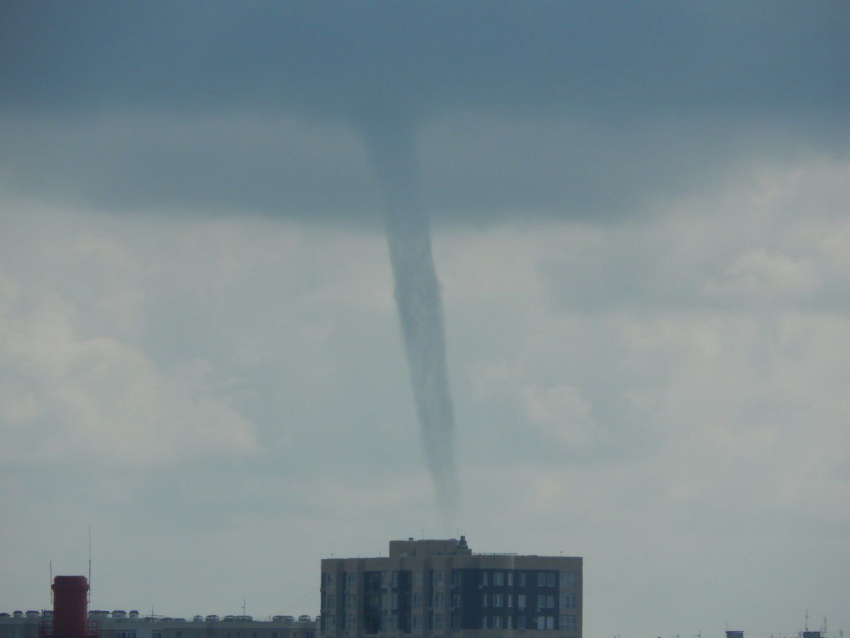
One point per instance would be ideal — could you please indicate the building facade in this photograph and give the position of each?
(121, 624)
(436, 588)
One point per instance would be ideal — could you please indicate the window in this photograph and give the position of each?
(455, 600)
(545, 622)
(331, 579)
(456, 577)
(520, 601)
(509, 622)
(550, 579)
(498, 599)
(417, 621)
(438, 600)
(131, 633)
(569, 579)
(351, 601)
(569, 601)
(438, 621)
(331, 600)
(510, 578)
(439, 578)
(541, 579)
(520, 622)
(483, 578)
(351, 579)
(394, 601)
(498, 578)
(331, 621)
(417, 601)
(383, 601)
(497, 622)
(394, 580)
(484, 622)
(456, 622)
(350, 623)
(522, 581)
(383, 579)
(510, 602)
(417, 579)
(541, 601)
(393, 623)
(569, 622)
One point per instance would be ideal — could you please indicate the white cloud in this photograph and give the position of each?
(67, 398)
(758, 273)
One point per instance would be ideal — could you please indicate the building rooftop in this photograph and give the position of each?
(430, 547)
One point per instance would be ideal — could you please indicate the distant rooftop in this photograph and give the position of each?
(430, 547)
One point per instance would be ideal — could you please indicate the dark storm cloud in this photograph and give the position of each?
(546, 107)
(327, 58)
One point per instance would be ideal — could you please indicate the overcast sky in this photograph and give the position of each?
(641, 230)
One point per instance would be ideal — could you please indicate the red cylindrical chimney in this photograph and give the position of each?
(70, 606)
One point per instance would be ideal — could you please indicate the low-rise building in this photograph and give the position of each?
(123, 624)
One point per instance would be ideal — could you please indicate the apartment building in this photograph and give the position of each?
(437, 588)
(121, 624)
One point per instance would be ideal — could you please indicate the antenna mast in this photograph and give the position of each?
(89, 592)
